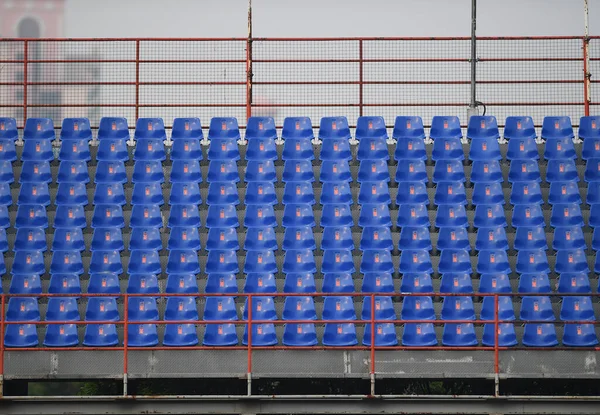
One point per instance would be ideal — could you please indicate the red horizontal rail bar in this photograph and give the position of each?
(93, 83)
(530, 59)
(291, 39)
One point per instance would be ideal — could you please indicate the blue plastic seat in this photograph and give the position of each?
(450, 193)
(409, 133)
(31, 216)
(593, 193)
(373, 148)
(37, 150)
(223, 308)
(298, 171)
(220, 335)
(71, 194)
(376, 282)
(27, 262)
(261, 135)
(25, 284)
(532, 261)
(522, 148)
(519, 127)
(263, 334)
(594, 218)
(62, 335)
(35, 172)
(573, 283)
(338, 283)
(370, 127)
(297, 147)
(101, 309)
(566, 215)
(259, 283)
(106, 261)
(448, 171)
(592, 170)
(299, 335)
(334, 171)
(453, 216)
(186, 148)
(260, 193)
(372, 215)
(39, 128)
(559, 148)
(589, 133)
(4, 218)
(579, 335)
(458, 308)
(186, 171)
(561, 171)
(75, 150)
(3, 241)
(571, 261)
(22, 309)
(180, 335)
(8, 128)
(303, 238)
(416, 283)
(185, 284)
(149, 148)
(144, 261)
(260, 171)
(528, 215)
(415, 261)
(142, 309)
(299, 283)
(459, 335)
(577, 309)
(34, 194)
(540, 335)
(447, 149)
(482, 127)
(20, 335)
(223, 135)
(456, 283)
(68, 239)
(385, 335)
(181, 238)
(8, 150)
(183, 262)
(101, 335)
(493, 261)
(185, 309)
(187, 128)
(373, 193)
(373, 171)
(485, 148)
(524, 171)
(454, 261)
(534, 283)
(337, 237)
(568, 238)
(338, 308)
(377, 238)
(596, 239)
(537, 308)
(445, 127)
(494, 283)
(223, 171)
(449, 238)
(533, 237)
(104, 283)
(185, 194)
(142, 335)
(526, 193)
(564, 192)
(296, 261)
(506, 335)
(339, 335)
(147, 194)
(412, 171)
(73, 216)
(491, 238)
(109, 194)
(104, 216)
(112, 149)
(412, 193)
(215, 283)
(143, 284)
(417, 308)
(335, 149)
(110, 172)
(222, 261)
(376, 260)
(336, 193)
(188, 215)
(488, 194)
(419, 335)
(297, 308)
(557, 127)
(337, 261)
(76, 129)
(334, 127)
(6, 171)
(333, 215)
(294, 193)
(260, 216)
(149, 171)
(218, 216)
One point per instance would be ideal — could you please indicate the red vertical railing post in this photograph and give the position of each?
(249, 328)
(137, 79)
(125, 344)
(373, 344)
(586, 76)
(25, 69)
(496, 353)
(360, 77)
(2, 304)
(248, 78)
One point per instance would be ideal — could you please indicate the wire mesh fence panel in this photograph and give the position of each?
(594, 70)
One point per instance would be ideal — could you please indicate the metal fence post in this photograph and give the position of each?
(125, 345)
(249, 326)
(372, 344)
(496, 353)
(360, 77)
(587, 89)
(249, 64)
(137, 79)
(2, 319)
(25, 68)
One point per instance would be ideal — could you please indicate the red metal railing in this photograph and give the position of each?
(372, 348)
(282, 77)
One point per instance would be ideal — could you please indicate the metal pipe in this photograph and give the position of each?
(249, 328)
(587, 90)
(137, 79)
(473, 103)
(249, 64)
(25, 65)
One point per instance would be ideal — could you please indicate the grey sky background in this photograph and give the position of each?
(327, 18)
